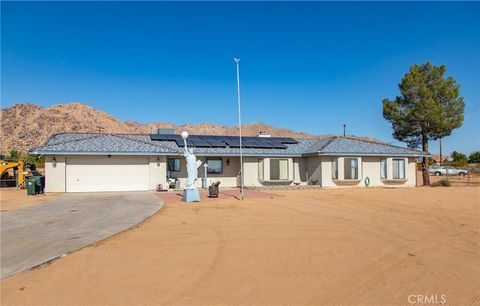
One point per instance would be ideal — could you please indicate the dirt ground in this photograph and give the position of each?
(12, 198)
(342, 246)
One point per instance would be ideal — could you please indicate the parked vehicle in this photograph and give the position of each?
(447, 170)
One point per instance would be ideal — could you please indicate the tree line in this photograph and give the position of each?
(15, 156)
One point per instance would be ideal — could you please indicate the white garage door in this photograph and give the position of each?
(101, 173)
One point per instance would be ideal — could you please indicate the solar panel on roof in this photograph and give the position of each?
(179, 142)
(287, 140)
(216, 143)
(233, 143)
(201, 143)
(174, 138)
(248, 145)
(255, 142)
(158, 137)
(270, 144)
(266, 145)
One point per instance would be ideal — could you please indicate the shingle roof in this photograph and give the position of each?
(139, 144)
(291, 150)
(96, 143)
(352, 146)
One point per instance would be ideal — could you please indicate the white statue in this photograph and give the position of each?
(192, 165)
(192, 173)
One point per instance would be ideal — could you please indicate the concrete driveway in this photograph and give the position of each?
(41, 233)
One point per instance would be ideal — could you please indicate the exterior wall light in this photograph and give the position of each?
(54, 162)
(158, 161)
(228, 161)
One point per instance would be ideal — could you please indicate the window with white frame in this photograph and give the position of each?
(335, 168)
(398, 169)
(173, 164)
(260, 169)
(350, 169)
(279, 169)
(383, 168)
(215, 165)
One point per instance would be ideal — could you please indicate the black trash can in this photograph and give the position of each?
(42, 183)
(38, 184)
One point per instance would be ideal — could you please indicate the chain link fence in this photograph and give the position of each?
(471, 179)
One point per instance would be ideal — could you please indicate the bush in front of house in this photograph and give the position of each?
(442, 183)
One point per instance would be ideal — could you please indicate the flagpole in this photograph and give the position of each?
(237, 60)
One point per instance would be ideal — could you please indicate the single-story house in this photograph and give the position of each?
(86, 162)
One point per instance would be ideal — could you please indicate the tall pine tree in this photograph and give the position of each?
(429, 108)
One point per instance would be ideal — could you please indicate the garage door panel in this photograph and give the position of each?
(100, 173)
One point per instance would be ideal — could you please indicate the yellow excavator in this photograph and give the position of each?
(15, 172)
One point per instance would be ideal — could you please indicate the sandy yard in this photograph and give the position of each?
(349, 246)
(12, 198)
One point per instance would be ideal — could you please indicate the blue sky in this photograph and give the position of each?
(309, 66)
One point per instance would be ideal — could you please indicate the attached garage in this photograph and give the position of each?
(103, 173)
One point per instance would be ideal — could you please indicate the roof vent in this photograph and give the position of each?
(167, 131)
(264, 134)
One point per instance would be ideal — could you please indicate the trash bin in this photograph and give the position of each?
(38, 184)
(42, 184)
(31, 186)
(35, 185)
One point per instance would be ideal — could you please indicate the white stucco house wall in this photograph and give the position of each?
(90, 162)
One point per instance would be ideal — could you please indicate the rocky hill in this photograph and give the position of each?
(24, 126)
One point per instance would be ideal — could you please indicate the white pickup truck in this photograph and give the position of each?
(447, 170)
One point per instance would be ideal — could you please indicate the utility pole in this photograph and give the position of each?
(441, 158)
(344, 126)
(237, 60)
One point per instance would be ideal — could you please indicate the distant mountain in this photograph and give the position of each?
(24, 126)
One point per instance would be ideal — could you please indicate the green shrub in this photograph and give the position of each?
(442, 183)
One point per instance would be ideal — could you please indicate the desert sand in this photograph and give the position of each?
(12, 199)
(343, 246)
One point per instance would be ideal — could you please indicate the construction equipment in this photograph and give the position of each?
(14, 173)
